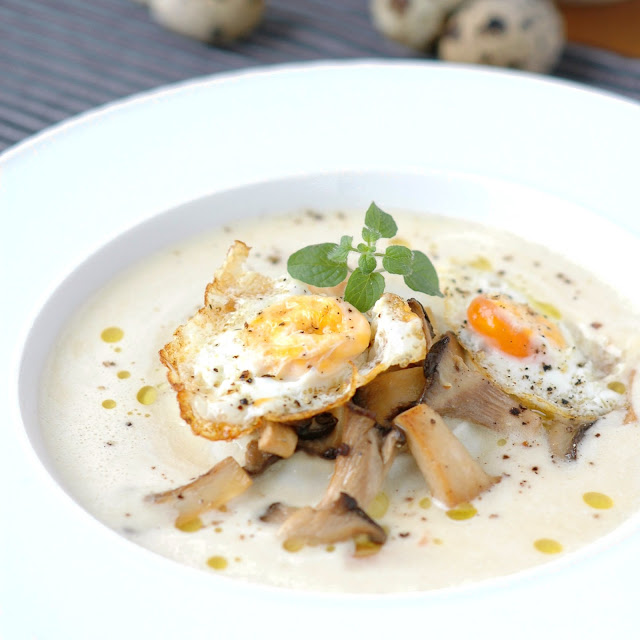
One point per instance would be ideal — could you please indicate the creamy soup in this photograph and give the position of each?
(112, 425)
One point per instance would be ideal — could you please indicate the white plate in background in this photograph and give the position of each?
(551, 160)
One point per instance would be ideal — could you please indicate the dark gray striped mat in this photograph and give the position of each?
(61, 57)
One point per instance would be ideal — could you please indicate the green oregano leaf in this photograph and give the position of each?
(326, 265)
(398, 259)
(370, 236)
(364, 290)
(340, 252)
(367, 263)
(314, 265)
(377, 220)
(346, 242)
(423, 276)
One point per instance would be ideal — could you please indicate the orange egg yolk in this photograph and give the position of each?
(511, 327)
(303, 332)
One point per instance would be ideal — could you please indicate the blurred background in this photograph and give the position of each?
(61, 57)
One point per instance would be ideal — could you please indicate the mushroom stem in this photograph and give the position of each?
(278, 439)
(451, 473)
(212, 490)
(361, 469)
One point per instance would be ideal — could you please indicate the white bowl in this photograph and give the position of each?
(543, 158)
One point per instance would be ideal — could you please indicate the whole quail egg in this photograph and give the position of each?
(520, 34)
(415, 23)
(214, 21)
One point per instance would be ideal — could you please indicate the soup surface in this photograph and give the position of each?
(112, 425)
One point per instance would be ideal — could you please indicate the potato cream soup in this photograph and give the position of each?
(112, 423)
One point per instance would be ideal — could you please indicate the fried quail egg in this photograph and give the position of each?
(261, 349)
(528, 350)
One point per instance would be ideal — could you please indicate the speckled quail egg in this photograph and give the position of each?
(214, 21)
(521, 34)
(415, 23)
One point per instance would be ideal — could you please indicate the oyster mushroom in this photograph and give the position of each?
(391, 393)
(451, 473)
(396, 390)
(274, 442)
(212, 490)
(454, 389)
(320, 435)
(278, 439)
(228, 479)
(427, 321)
(368, 453)
(340, 521)
(564, 436)
(256, 461)
(277, 513)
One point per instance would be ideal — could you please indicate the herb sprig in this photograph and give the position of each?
(326, 264)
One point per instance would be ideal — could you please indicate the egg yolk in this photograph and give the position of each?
(303, 332)
(511, 327)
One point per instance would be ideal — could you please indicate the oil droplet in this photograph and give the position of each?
(399, 241)
(546, 545)
(481, 263)
(109, 404)
(217, 562)
(292, 545)
(123, 375)
(618, 387)
(112, 334)
(365, 547)
(330, 548)
(218, 529)
(463, 511)
(425, 503)
(438, 541)
(597, 500)
(147, 395)
(502, 442)
(195, 524)
(378, 506)
(547, 309)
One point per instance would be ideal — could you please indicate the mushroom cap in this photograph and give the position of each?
(521, 34)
